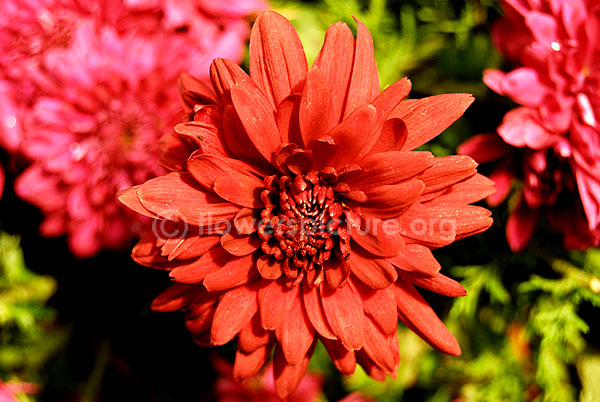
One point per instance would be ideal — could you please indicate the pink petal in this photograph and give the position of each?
(524, 86)
(484, 148)
(520, 226)
(522, 127)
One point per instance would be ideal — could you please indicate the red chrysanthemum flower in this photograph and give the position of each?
(304, 214)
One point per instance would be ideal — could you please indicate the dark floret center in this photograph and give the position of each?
(301, 221)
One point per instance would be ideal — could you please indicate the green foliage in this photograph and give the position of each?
(588, 367)
(22, 293)
(545, 309)
(478, 280)
(27, 336)
(407, 35)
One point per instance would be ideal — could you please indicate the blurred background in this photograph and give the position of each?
(75, 318)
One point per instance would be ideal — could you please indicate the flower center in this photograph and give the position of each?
(301, 223)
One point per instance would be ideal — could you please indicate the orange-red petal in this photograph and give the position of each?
(416, 314)
(344, 314)
(277, 60)
(235, 309)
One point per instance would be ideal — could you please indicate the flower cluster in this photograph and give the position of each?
(556, 45)
(296, 209)
(86, 90)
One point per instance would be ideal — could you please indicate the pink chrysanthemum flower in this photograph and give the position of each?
(261, 387)
(10, 391)
(193, 12)
(87, 89)
(89, 140)
(305, 213)
(548, 189)
(557, 44)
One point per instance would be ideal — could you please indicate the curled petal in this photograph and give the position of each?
(258, 119)
(380, 305)
(388, 168)
(194, 272)
(239, 245)
(447, 171)
(381, 348)
(315, 112)
(521, 224)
